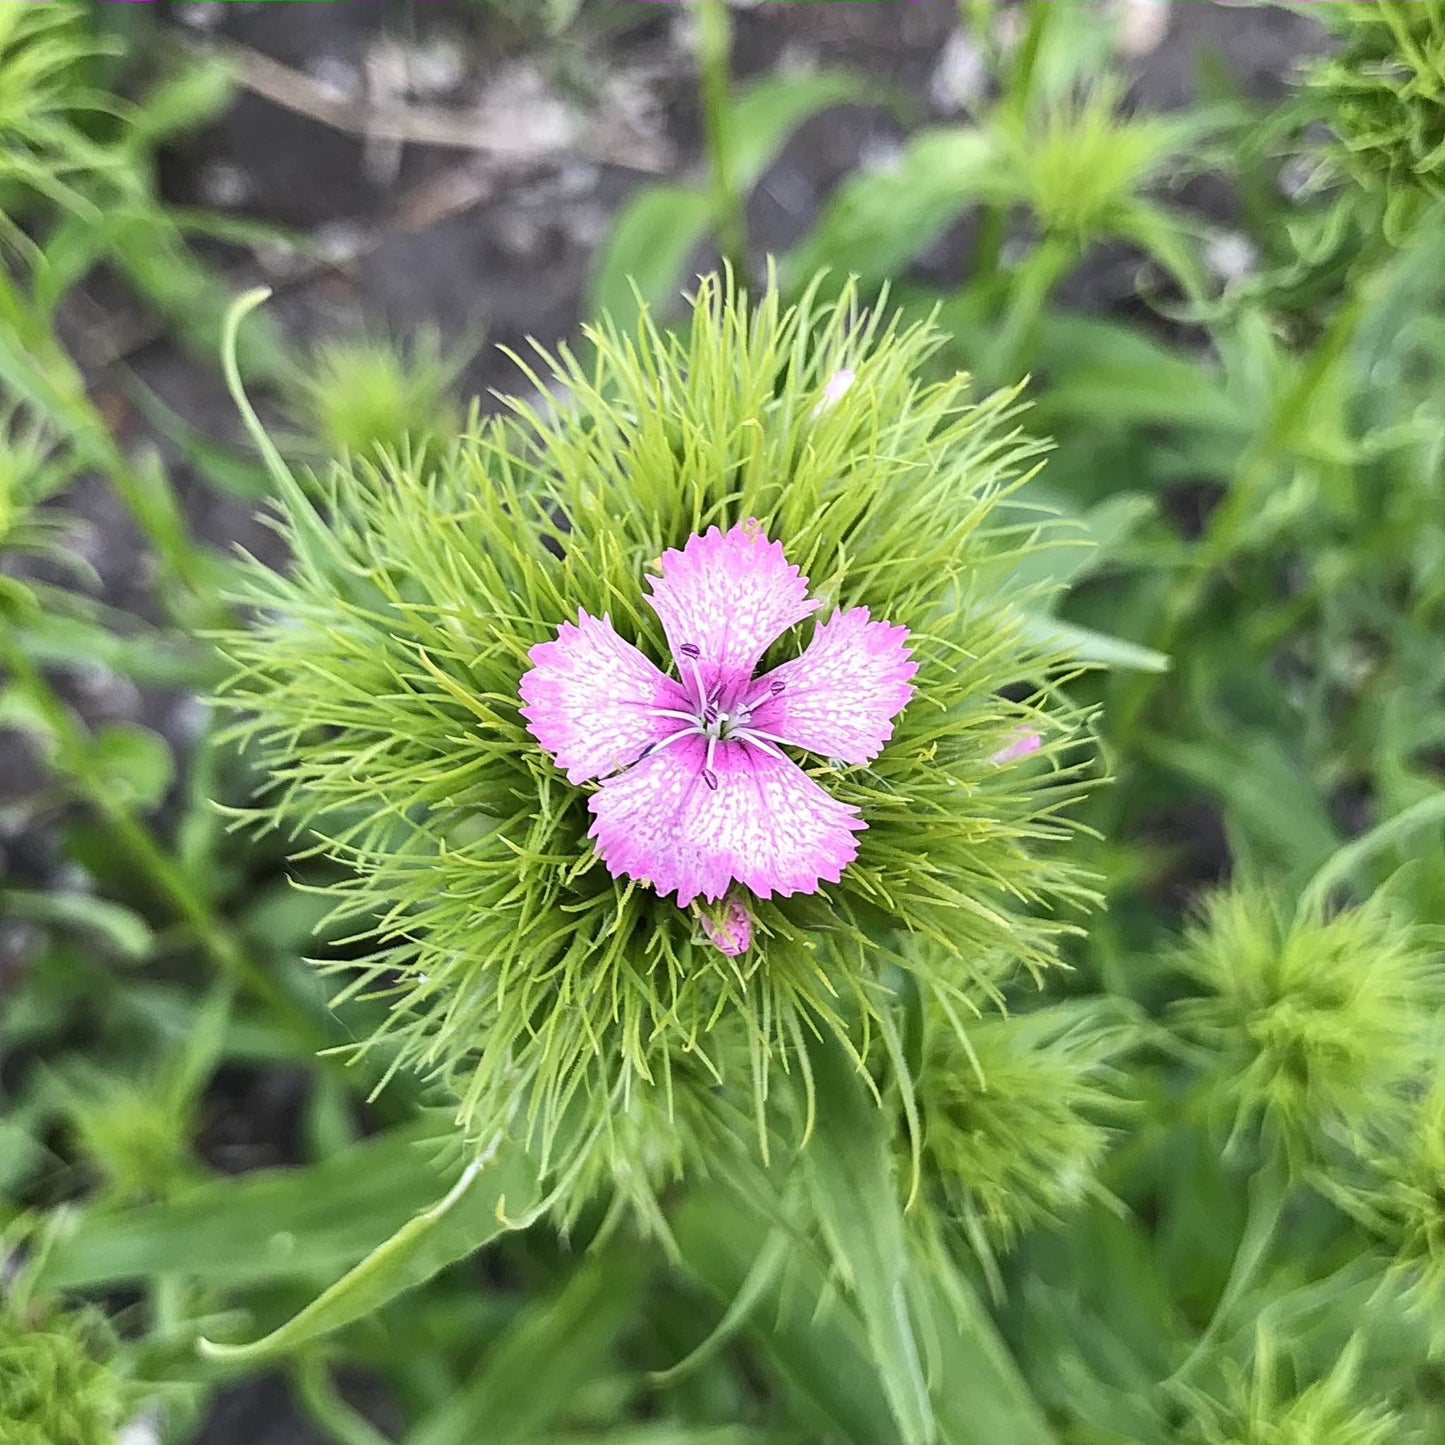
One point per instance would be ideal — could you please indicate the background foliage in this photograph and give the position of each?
(1187, 1186)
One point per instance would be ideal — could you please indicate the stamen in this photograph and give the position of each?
(692, 652)
(708, 776)
(661, 743)
(671, 712)
(773, 689)
(755, 739)
(756, 734)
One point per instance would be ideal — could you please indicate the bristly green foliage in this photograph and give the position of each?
(380, 684)
(1258, 1409)
(30, 471)
(1015, 1117)
(54, 1390)
(1383, 95)
(1315, 1026)
(360, 394)
(1408, 1198)
(44, 50)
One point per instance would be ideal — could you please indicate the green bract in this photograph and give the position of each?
(379, 683)
(1316, 1025)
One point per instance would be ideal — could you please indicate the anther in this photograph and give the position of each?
(774, 689)
(710, 778)
(690, 649)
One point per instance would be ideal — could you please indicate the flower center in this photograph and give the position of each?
(706, 718)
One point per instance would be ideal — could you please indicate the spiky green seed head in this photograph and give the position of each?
(359, 395)
(1258, 1407)
(1311, 1028)
(1409, 1199)
(1016, 1114)
(380, 686)
(55, 1388)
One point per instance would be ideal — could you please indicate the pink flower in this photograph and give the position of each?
(696, 791)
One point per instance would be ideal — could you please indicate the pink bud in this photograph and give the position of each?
(1023, 741)
(835, 388)
(730, 928)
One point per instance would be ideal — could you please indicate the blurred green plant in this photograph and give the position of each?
(1192, 1193)
(1382, 92)
(1015, 1116)
(357, 395)
(1258, 1409)
(54, 1383)
(1315, 1028)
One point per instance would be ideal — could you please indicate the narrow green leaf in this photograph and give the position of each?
(980, 1396)
(273, 1225)
(132, 763)
(651, 239)
(532, 1373)
(126, 932)
(450, 1230)
(1347, 861)
(766, 113)
(1086, 645)
(824, 1356)
(877, 221)
(848, 1170)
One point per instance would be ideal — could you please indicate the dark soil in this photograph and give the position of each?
(440, 237)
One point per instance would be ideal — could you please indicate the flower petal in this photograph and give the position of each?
(728, 594)
(589, 697)
(766, 825)
(839, 698)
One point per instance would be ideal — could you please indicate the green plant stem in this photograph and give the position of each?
(317, 1394)
(715, 59)
(1029, 293)
(1268, 1192)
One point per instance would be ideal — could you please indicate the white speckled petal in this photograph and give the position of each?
(766, 825)
(589, 696)
(840, 697)
(730, 595)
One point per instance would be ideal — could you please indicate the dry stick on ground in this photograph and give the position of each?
(417, 124)
(433, 200)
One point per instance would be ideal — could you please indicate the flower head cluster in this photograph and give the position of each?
(698, 793)
(1257, 1408)
(1408, 1197)
(1315, 1025)
(1016, 1117)
(615, 839)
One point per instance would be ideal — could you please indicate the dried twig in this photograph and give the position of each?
(411, 124)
